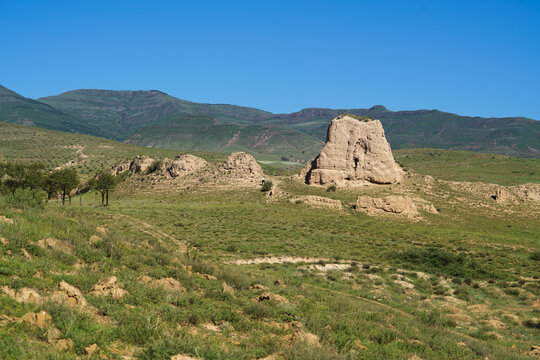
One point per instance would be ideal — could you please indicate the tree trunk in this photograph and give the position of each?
(69, 195)
(102, 199)
(107, 203)
(63, 197)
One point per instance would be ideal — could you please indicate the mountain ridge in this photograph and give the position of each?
(135, 116)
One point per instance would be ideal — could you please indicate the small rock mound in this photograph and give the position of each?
(395, 204)
(356, 152)
(68, 294)
(108, 287)
(318, 201)
(5, 220)
(56, 245)
(183, 165)
(24, 295)
(272, 297)
(40, 319)
(242, 165)
(167, 284)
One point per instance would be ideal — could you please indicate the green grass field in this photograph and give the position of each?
(460, 284)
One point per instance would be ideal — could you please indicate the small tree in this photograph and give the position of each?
(22, 175)
(104, 182)
(63, 180)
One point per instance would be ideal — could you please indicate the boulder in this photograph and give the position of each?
(68, 294)
(356, 152)
(395, 204)
(108, 287)
(40, 319)
(184, 165)
(242, 165)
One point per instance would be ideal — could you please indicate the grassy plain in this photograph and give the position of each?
(460, 284)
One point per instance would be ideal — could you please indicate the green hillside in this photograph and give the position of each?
(87, 153)
(208, 134)
(120, 114)
(16, 109)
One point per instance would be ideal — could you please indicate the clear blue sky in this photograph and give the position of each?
(470, 57)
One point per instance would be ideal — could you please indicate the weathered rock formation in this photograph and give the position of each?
(183, 165)
(356, 151)
(242, 165)
(140, 164)
(390, 204)
(318, 201)
(120, 167)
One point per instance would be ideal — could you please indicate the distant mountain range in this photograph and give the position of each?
(153, 118)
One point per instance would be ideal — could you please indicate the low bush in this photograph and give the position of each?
(443, 262)
(267, 186)
(26, 198)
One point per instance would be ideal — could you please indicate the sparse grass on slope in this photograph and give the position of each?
(362, 313)
(87, 153)
(470, 166)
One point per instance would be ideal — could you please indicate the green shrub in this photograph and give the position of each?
(257, 310)
(443, 262)
(26, 198)
(532, 324)
(267, 186)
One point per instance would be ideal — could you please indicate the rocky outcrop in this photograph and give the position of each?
(141, 164)
(356, 151)
(395, 204)
(318, 201)
(242, 165)
(184, 165)
(121, 167)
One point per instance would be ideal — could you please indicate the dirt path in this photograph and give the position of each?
(149, 229)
